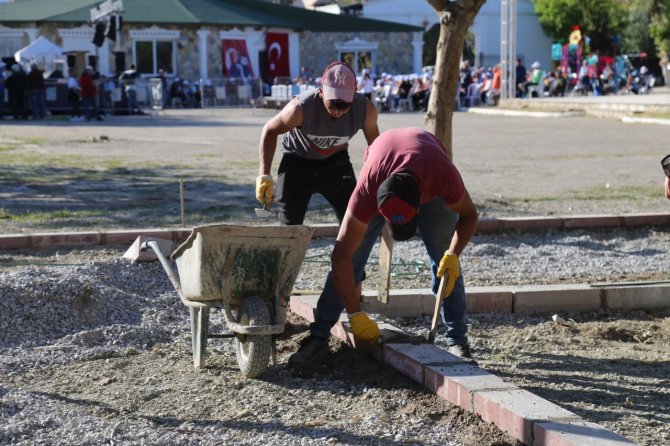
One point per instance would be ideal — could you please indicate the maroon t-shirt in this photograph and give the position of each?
(408, 150)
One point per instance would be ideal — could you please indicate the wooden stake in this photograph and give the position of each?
(385, 260)
(181, 201)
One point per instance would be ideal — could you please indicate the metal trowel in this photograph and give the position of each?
(263, 212)
(394, 335)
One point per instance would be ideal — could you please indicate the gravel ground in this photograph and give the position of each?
(96, 350)
(116, 368)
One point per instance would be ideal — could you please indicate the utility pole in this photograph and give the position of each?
(508, 48)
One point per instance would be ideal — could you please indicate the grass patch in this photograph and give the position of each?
(604, 193)
(59, 214)
(208, 155)
(36, 141)
(657, 115)
(598, 193)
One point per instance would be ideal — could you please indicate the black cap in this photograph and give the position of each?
(398, 201)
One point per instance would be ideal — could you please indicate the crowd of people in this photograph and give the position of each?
(388, 92)
(22, 89)
(595, 76)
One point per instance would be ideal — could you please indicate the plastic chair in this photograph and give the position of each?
(472, 98)
(220, 95)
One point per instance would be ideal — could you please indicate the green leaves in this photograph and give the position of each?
(596, 18)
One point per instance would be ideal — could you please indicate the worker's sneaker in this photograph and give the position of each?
(462, 351)
(310, 354)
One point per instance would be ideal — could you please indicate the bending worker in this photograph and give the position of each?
(407, 182)
(317, 126)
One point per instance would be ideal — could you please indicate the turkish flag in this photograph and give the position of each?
(276, 46)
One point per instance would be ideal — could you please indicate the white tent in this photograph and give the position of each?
(41, 50)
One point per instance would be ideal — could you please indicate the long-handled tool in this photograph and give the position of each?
(436, 312)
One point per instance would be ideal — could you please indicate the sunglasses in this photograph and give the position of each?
(338, 104)
(666, 165)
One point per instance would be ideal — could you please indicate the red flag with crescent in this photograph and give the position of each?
(276, 46)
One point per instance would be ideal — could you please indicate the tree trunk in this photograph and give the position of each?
(455, 20)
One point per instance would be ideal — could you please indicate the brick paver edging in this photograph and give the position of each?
(484, 225)
(527, 417)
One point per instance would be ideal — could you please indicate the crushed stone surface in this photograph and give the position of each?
(95, 349)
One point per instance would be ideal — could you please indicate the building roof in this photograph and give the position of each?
(198, 12)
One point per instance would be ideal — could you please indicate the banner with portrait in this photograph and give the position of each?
(276, 47)
(235, 57)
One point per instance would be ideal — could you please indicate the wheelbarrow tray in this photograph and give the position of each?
(229, 262)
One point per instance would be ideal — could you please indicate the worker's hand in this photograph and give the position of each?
(667, 188)
(451, 266)
(264, 192)
(364, 327)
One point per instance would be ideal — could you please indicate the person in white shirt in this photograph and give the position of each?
(366, 85)
(73, 96)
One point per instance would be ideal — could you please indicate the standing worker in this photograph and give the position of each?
(407, 182)
(317, 126)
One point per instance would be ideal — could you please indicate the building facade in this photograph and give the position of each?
(207, 41)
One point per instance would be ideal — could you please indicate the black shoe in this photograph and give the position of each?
(462, 351)
(312, 352)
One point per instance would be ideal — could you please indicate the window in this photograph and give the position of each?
(364, 60)
(358, 54)
(152, 55)
(358, 60)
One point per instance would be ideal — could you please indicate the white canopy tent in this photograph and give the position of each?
(42, 52)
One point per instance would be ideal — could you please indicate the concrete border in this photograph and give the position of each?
(635, 120)
(525, 416)
(527, 113)
(484, 226)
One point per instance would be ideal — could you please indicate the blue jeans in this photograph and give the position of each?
(436, 222)
(131, 95)
(37, 104)
(88, 103)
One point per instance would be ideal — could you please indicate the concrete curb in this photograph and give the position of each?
(527, 417)
(634, 120)
(526, 113)
(570, 298)
(484, 226)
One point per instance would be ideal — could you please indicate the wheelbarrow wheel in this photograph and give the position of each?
(253, 351)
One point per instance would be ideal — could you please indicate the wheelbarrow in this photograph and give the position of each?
(248, 272)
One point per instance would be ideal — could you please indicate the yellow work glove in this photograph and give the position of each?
(264, 193)
(363, 327)
(451, 266)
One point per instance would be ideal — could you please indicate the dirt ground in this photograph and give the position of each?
(159, 388)
(610, 367)
(124, 173)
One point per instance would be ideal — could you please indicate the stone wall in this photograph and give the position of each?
(394, 51)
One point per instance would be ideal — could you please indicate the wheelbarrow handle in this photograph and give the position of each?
(153, 245)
